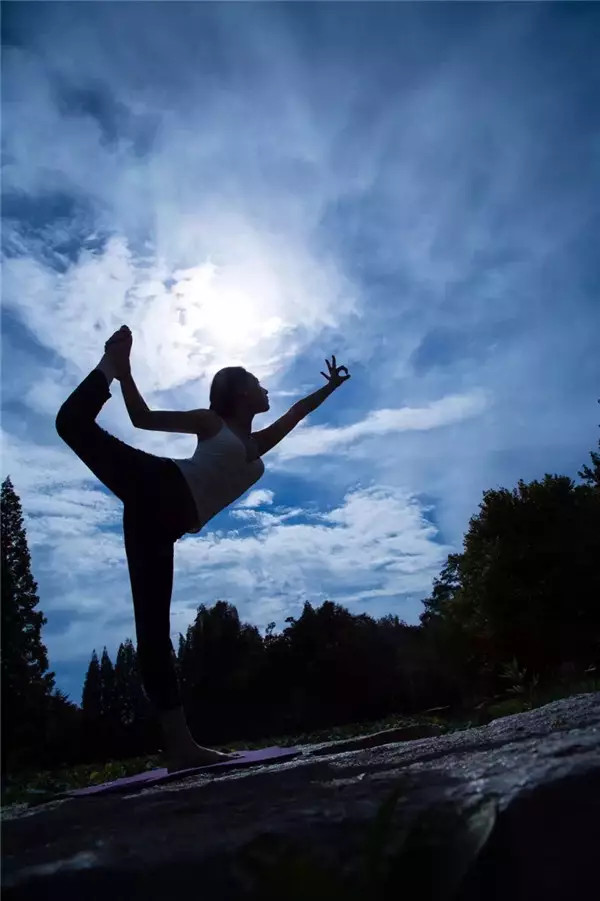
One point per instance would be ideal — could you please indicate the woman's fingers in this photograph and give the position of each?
(335, 371)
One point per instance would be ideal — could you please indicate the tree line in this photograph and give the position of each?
(521, 601)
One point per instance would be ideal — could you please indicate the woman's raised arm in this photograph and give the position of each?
(267, 438)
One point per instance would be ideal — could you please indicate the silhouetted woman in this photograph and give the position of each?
(164, 498)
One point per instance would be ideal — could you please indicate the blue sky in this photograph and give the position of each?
(414, 188)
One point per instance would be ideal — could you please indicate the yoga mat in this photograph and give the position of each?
(160, 775)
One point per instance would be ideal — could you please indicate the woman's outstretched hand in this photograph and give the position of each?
(335, 378)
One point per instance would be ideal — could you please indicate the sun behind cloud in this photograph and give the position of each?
(226, 307)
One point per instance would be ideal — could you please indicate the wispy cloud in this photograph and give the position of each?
(315, 440)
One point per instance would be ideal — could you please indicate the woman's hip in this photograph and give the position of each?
(162, 500)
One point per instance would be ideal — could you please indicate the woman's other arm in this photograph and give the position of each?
(267, 438)
(203, 423)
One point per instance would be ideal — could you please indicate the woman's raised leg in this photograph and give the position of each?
(115, 463)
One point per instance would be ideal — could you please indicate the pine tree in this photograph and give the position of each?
(91, 699)
(26, 682)
(96, 734)
(107, 686)
(134, 718)
(128, 692)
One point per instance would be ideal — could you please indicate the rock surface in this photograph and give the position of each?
(539, 772)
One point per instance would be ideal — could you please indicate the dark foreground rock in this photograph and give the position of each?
(508, 810)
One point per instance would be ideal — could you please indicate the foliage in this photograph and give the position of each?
(26, 682)
(519, 683)
(526, 586)
(591, 474)
(116, 715)
(32, 786)
(91, 700)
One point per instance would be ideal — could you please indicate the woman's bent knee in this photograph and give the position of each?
(67, 423)
(63, 422)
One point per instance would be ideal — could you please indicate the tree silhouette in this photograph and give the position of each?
(26, 682)
(91, 711)
(527, 585)
(591, 474)
(107, 687)
(219, 662)
(128, 699)
(91, 699)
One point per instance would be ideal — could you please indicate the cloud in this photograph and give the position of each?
(257, 498)
(309, 441)
(376, 540)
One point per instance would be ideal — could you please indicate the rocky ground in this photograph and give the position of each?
(506, 810)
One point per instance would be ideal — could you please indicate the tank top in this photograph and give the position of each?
(218, 473)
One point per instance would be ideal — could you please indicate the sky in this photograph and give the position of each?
(411, 187)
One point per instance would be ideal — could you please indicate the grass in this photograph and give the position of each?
(38, 786)
(32, 787)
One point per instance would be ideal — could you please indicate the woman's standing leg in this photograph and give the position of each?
(150, 556)
(150, 551)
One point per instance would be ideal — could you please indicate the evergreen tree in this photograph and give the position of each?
(26, 682)
(91, 699)
(98, 708)
(107, 687)
(126, 685)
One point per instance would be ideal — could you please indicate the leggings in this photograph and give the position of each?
(158, 508)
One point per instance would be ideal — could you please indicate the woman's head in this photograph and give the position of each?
(234, 390)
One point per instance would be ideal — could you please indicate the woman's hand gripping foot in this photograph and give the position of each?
(118, 349)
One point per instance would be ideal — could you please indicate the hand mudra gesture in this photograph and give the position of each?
(335, 378)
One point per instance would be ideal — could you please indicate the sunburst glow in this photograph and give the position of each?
(231, 316)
